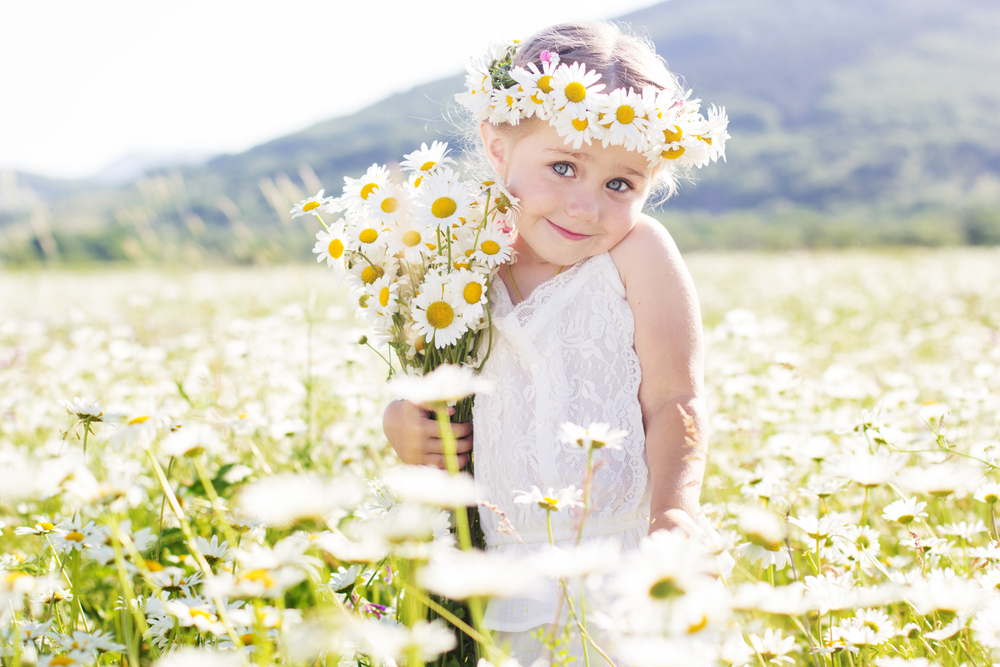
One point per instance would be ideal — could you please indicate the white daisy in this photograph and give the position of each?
(441, 204)
(330, 246)
(624, 116)
(373, 264)
(573, 87)
(552, 500)
(384, 300)
(536, 88)
(595, 436)
(364, 234)
(495, 246)
(470, 286)
(413, 238)
(427, 159)
(358, 190)
(505, 106)
(436, 316)
(313, 205)
(385, 205)
(578, 129)
(444, 384)
(904, 511)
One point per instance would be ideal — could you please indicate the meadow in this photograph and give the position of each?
(232, 500)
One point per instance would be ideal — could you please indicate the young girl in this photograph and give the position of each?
(597, 318)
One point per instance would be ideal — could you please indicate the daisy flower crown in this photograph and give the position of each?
(662, 124)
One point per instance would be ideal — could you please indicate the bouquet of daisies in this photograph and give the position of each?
(420, 256)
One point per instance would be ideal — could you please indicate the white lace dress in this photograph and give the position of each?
(564, 354)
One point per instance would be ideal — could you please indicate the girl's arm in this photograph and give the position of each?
(668, 342)
(414, 434)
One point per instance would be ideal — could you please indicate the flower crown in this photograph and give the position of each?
(662, 124)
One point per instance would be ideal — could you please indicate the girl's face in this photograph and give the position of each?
(575, 203)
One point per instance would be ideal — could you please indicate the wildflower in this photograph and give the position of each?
(817, 529)
(988, 493)
(950, 629)
(313, 205)
(195, 612)
(386, 641)
(463, 574)
(343, 580)
(595, 436)
(444, 384)
(213, 551)
(986, 625)
(282, 499)
(864, 469)
(904, 511)
(54, 595)
(963, 530)
(427, 159)
(910, 631)
(91, 643)
(552, 501)
(431, 486)
(191, 441)
(870, 627)
(772, 647)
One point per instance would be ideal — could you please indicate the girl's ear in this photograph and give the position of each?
(495, 147)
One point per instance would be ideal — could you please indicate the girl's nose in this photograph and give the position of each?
(582, 205)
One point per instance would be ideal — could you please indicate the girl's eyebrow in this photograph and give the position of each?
(584, 157)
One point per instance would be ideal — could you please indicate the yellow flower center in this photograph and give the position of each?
(310, 206)
(707, 140)
(699, 626)
(673, 135)
(259, 575)
(202, 613)
(488, 183)
(473, 292)
(61, 660)
(390, 204)
(383, 297)
(153, 566)
(336, 248)
(545, 84)
(872, 626)
(75, 536)
(371, 274)
(427, 166)
(444, 207)
(248, 639)
(490, 247)
(411, 238)
(363, 300)
(510, 101)
(580, 124)
(673, 153)
(665, 588)
(575, 92)
(625, 114)
(368, 235)
(138, 420)
(535, 99)
(368, 190)
(440, 314)
(45, 525)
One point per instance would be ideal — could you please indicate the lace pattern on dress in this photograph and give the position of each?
(564, 354)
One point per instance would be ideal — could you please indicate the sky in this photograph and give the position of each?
(83, 84)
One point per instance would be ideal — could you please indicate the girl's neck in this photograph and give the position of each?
(528, 272)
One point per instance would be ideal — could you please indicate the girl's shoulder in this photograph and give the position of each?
(648, 251)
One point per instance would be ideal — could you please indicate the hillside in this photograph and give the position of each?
(855, 107)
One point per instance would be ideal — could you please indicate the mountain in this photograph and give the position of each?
(883, 107)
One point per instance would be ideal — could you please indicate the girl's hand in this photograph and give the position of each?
(674, 517)
(413, 432)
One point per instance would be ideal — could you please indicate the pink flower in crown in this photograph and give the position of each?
(549, 58)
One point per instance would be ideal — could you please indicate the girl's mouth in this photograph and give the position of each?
(572, 236)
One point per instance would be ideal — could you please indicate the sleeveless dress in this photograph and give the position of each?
(564, 354)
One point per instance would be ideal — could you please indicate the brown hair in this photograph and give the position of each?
(623, 60)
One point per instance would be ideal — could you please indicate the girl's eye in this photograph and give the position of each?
(562, 168)
(619, 185)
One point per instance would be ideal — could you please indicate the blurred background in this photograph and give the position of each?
(184, 132)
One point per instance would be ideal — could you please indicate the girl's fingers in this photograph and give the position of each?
(438, 461)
